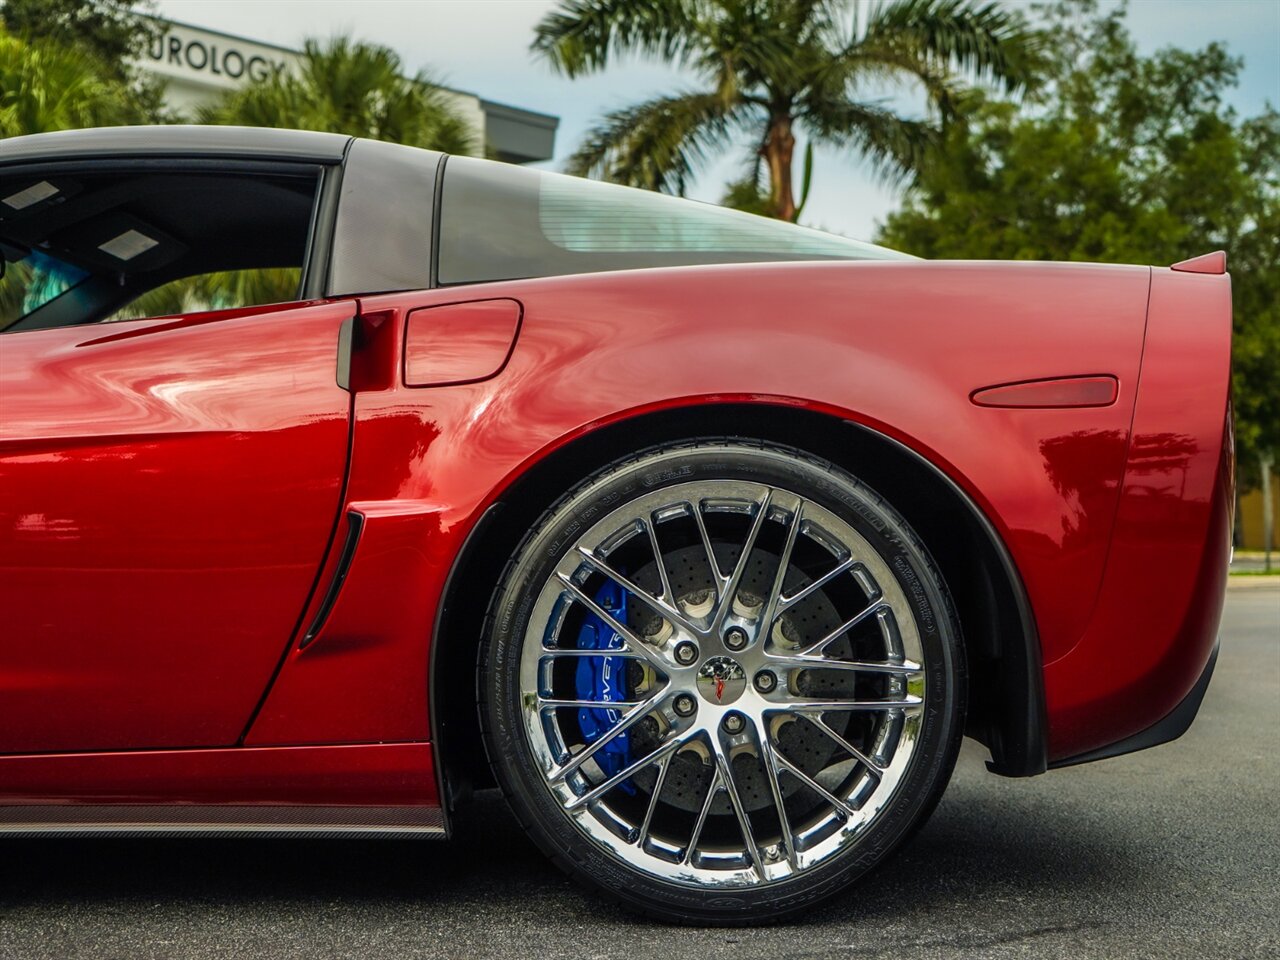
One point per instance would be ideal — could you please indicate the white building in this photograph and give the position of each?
(199, 64)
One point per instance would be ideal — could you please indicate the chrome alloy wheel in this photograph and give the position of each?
(764, 692)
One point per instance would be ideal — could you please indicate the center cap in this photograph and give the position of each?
(721, 680)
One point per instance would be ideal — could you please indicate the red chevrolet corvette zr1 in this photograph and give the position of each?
(338, 477)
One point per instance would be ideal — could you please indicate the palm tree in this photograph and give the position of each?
(226, 289)
(341, 86)
(45, 87)
(771, 68)
(345, 86)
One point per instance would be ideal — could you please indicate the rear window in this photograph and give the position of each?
(500, 222)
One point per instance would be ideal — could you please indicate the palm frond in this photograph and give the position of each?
(895, 146)
(885, 64)
(779, 65)
(767, 48)
(345, 86)
(223, 290)
(656, 145)
(581, 35)
(988, 41)
(45, 87)
(813, 21)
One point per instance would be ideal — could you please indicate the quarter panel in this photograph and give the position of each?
(898, 347)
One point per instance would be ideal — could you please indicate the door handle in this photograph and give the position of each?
(346, 336)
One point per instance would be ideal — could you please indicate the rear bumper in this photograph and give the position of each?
(1148, 651)
(1174, 725)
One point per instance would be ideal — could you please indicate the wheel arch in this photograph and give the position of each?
(1007, 710)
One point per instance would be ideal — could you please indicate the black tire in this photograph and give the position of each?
(510, 752)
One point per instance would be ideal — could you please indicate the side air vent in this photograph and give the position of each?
(355, 524)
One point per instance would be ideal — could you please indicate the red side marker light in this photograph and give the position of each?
(1215, 262)
(1098, 391)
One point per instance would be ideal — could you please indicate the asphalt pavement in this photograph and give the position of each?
(1174, 852)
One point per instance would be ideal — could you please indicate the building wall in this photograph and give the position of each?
(199, 65)
(1250, 520)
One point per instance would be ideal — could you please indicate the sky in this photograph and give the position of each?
(482, 46)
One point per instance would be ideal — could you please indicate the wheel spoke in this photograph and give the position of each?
(663, 766)
(625, 723)
(850, 666)
(772, 604)
(550, 652)
(633, 642)
(712, 789)
(874, 607)
(810, 706)
(739, 810)
(731, 587)
(658, 605)
(718, 579)
(667, 594)
(549, 703)
(840, 805)
(671, 746)
(877, 770)
(786, 603)
(769, 761)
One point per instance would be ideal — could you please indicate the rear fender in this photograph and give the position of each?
(1155, 625)
(897, 348)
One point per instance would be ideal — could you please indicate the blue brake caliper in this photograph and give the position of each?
(604, 679)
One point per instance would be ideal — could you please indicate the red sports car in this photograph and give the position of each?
(340, 477)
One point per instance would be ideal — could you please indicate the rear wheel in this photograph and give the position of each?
(721, 681)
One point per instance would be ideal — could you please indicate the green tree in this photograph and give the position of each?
(1255, 258)
(111, 33)
(46, 87)
(345, 86)
(1123, 158)
(772, 69)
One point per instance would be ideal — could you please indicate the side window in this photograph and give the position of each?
(499, 222)
(128, 242)
(226, 290)
(32, 280)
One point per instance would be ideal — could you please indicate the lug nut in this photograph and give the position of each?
(686, 652)
(684, 705)
(733, 723)
(735, 638)
(766, 681)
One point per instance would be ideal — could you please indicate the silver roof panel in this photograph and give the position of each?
(261, 143)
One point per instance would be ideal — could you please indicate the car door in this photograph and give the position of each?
(168, 488)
